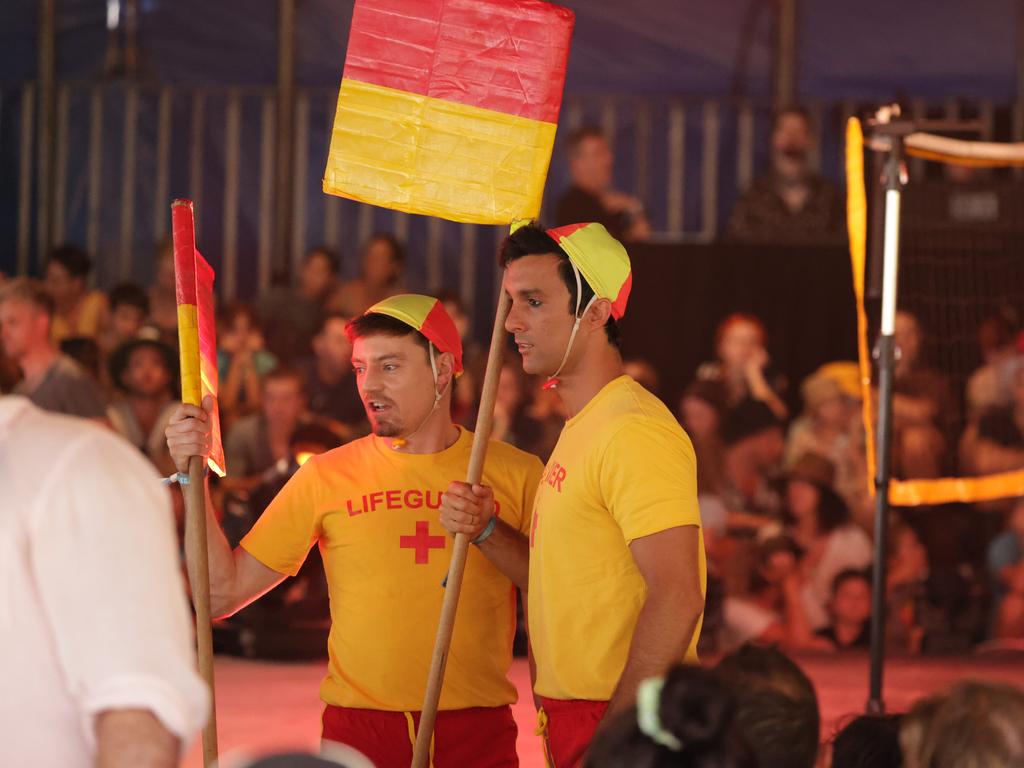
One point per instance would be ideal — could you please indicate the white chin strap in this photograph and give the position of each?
(398, 442)
(552, 382)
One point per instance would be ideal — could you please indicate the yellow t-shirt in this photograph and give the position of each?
(87, 323)
(374, 512)
(623, 469)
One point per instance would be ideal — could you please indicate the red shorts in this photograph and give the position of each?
(570, 729)
(481, 737)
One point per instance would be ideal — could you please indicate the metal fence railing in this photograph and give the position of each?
(123, 151)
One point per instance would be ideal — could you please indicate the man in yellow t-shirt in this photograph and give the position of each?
(616, 564)
(372, 506)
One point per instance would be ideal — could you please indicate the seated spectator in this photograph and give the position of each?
(742, 364)
(976, 725)
(925, 416)
(792, 204)
(85, 352)
(129, 313)
(51, 380)
(508, 403)
(145, 372)
(995, 443)
(291, 316)
(258, 443)
(831, 425)
(540, 423)
(700, 413)
(991, 385)
(771, 610)
(163, 298)
(821, 525)
(753, 451)
(1006, 573)
(686, 719)
(701, 409)
(926, 609)
(849, 610)
(77, 311)
(592, 197)
(331, 389)
(242, 360)
(466, 394)
(868, 741)
(777, 708)
(292, 621)
(380, 275)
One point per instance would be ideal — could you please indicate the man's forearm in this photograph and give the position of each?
(663, 632)
(221, 561)
(509, 551)
(134, 738)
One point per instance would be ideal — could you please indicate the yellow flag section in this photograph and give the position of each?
(449, 108)
(429, 156)
(902, 493)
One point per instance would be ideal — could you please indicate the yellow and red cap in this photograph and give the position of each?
(426, 315)
(601, 259)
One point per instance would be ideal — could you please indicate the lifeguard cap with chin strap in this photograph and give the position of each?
(601, 259)
(426, 315)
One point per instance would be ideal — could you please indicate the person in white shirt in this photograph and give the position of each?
(97, 666)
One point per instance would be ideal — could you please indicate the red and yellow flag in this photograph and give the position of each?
(448, 107)
(197, 331)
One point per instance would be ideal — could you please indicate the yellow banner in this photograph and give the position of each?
(434, 157)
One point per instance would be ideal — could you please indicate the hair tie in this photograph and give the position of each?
(648, 702)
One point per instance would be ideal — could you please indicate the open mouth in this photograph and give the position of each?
(523, 347)
(377, 406)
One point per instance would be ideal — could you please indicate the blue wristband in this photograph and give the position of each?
(181, 478)
(486, 532)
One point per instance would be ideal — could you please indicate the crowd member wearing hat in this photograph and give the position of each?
(820, 523)
(372, 507)
(616, 559)
(144, 372)
(831, 425)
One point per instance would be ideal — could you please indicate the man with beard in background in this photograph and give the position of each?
(792, 203)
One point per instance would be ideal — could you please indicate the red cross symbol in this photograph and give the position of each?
(422, 542)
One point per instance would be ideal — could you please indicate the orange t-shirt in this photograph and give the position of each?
(373, 511)
(623, 469)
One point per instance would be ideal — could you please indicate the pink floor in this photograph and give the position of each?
(265, 707)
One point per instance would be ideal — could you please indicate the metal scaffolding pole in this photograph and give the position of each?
(284, 150)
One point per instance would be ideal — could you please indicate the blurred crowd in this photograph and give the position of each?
(785, 496)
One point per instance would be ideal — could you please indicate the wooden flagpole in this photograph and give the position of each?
(442, 643)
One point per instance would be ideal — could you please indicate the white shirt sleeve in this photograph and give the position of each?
(104, 556)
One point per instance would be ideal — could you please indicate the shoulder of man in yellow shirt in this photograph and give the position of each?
(647, 465)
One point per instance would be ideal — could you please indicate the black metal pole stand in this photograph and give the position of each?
(886, 351)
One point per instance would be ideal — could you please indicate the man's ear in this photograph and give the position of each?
(445, 371)
(598, 314)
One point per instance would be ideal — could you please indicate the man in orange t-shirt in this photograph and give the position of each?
(371, 505)
(616, 559)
